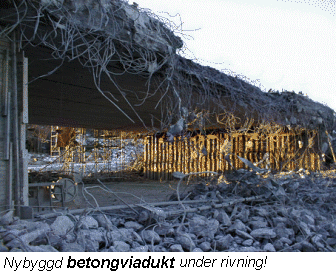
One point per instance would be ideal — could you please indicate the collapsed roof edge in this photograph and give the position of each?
(145, 44)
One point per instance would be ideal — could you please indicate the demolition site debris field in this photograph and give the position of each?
(246, 163)
(244, 212)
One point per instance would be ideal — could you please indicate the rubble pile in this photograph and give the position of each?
(244, 212)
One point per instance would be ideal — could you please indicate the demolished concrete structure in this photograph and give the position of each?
(129, 55)
(110, 65)
(246, 213)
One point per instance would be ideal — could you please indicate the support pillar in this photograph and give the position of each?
(13, 120)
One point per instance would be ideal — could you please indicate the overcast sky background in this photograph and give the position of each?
(278, 44)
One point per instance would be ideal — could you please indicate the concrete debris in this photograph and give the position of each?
(308, 247)
(250, 165)
(176, 248)
(62, 225)
(185, 240)
(223, 243)
(43, 248)
(29, 237)
(205, 246)
(285, 240)
(264, 233)
(87, 222)
(257, 223)
(247, 243)
(317, 240)
(243, 234)
(71, 247)
(304, 228)
(237, 225)
(210, 225)
(3, 248)
(16, 250)
(12, 234)
(90, 239)
(177, 128)
(244, 215)
(140, 249)
(104, 221)
(160, 249)
(151, 236)
(120, 234)
(201, 226)
(223, 218)
(133, 225)
(7, 218)
(120, 246)
(164, 229)
(96, 235)
(269, 248)
(143, 216)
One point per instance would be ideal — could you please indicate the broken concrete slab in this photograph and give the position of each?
(120, 246)
(269, 248)
(223, 218)
(7, 218)
(71, 247)
(237, 225)
(205, 246)
(133, 225)
(120, 234)
(27, 238)
(307, 247)
(151, 236)
(203, 227)
(247, 243)
(263, 233)
(185, 240)
(176, 248)
(164, 229)
(62, 225)
(104, 221)
(223, 243)
(87, 222)
(243, 234)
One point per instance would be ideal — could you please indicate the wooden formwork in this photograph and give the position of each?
(215, 152)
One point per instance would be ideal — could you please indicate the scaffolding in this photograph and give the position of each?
(220, 152)
(55, 151)
(217, 151)
(103, 152)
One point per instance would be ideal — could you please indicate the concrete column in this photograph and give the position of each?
(13, 119)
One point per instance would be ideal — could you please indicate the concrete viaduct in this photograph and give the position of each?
(108, 65)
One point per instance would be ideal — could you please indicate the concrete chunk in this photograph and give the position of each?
(176, 248)
(133, 225)
(120, 246)
(224, 242)
(62, 225)
(185, 240)
(151, 236)
(87, 222)
(269, 248)
(266, 233)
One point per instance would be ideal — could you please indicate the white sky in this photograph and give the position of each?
(276, 44)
